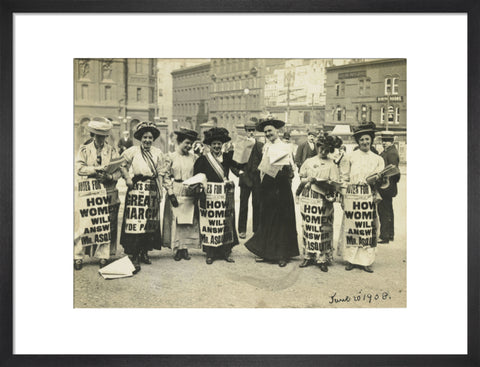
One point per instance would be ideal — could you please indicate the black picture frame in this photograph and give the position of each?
(8, 8)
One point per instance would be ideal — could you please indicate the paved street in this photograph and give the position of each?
(246, 284)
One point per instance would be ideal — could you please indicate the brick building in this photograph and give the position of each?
(190, 96)
(369, 91)
(122, 90)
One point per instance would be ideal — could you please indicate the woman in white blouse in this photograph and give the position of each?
(181, 233)
(358, 240)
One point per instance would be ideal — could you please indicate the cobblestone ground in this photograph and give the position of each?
(246, 284)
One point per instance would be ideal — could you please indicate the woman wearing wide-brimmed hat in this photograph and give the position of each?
(317, 176)
(181, 233)
(276, 236)
(358, 237)
(215, 165)
(141, 219)
(91, 161)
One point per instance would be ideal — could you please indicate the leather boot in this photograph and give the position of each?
(136, 263)
(144, 257)
(186, 256)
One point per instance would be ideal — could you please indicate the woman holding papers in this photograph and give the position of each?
(358, 170)
(92, 164)
(276, 236)
(180, 225)
(318, 176)
(141, 219)
(217, 207)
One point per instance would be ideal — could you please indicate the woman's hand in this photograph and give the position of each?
(229, 185)
(129, 182)
(103, 176)
(173, 200)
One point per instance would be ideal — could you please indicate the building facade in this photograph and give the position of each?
(237, 90)
(368, 91)
(122, 90)
(165, 85)
(190, 96)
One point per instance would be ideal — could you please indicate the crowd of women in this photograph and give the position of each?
(191, 182)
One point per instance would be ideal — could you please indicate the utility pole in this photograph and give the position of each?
(289, 75)
(125, 99)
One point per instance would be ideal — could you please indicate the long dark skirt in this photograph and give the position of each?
(134, 243)
(224, 250)
(276, 235)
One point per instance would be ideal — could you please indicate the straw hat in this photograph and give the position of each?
(100, 126)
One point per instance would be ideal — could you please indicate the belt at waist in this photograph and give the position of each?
(180, 181)
(137, 178)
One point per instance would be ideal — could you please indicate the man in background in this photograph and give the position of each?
(125, 142)
(249, 182)
(306, 150)
(385, 206)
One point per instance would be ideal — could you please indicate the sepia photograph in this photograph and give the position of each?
(235, 186)
(240, 183)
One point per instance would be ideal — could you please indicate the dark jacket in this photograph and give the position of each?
(124, 145)
(390, 156)
(251, 175)
(304, 152)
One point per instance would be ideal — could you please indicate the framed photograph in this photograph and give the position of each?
(71, 74)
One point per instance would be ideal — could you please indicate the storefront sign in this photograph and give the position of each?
(352, 74)
(392, 99)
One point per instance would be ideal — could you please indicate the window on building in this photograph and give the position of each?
(388, 85)
(397, 115)
(342, 88)
(139, 94)
(108, 93)
(391, 115)
(367, 87)
(138, 65)
(361, 86)
(306, 117)
(152, 95)
(84, 92)
(337, 89)
(357, 114)
(339, 114)
(382, 115)
(363, 114)
(395, 86)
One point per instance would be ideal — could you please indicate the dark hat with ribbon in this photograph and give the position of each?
(330, 142)
(143, 127)
(216, 133)
(187, 133)
(387, 136)
(100, 126)
(269, 120)
(367, 128)
(251, 124)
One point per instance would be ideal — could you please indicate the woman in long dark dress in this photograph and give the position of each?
(276, 236)
(215, 165)
(141, 220)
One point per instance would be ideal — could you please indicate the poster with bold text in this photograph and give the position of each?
(217, 215)
(97, 212)
(317, 222)
(142, 208)
(360, 217)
